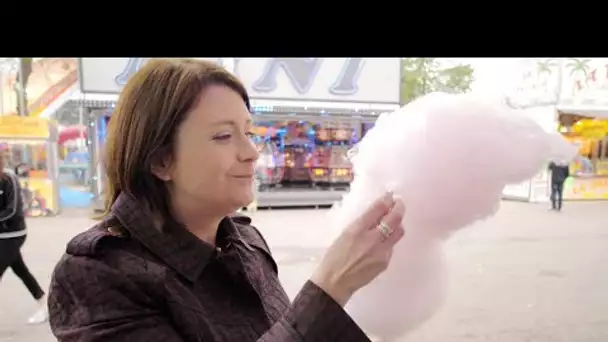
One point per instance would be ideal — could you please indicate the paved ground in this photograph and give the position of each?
(526, 275)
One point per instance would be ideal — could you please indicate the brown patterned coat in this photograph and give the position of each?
(123, 280)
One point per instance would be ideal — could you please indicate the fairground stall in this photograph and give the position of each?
(29, 146)
(308, 112)
(100, 81)
(73, 164)
(568, 95)
(535, 88)
(583, 119)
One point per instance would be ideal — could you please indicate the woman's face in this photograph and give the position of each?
(213, 163)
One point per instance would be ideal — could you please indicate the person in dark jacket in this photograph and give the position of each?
(170, 262)
(12, 236)
(559, 173)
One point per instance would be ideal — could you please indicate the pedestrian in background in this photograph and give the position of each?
(560, 171)
(12, 237)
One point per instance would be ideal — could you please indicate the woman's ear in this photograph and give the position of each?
(162, 168)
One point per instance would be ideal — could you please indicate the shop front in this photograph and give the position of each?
(535, 90)
(583, 119)
(308, 113)
(303, 156)
(569, 96)
(29, 149)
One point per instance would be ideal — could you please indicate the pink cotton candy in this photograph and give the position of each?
(448, 157)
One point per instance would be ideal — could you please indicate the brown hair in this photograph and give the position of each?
(151, 107)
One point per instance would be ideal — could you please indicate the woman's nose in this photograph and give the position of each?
(250, 152)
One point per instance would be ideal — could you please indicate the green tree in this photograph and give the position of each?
(425, 75)
(457, 79)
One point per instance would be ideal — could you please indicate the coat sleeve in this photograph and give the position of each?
(91, 301)
(314, 316)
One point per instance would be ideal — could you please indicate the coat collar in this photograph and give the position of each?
(174, 244)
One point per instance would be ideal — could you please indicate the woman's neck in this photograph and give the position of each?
(203, 224)
(203, 227)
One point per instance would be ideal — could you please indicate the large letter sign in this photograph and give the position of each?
(362, 80)
(302, 73)
(131, 68)
(109, 75)
(351, 80)
(346, 83)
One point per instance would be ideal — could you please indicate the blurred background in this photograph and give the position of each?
(305, 124)
(525, 275)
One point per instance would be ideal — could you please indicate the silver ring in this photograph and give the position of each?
(385, 230)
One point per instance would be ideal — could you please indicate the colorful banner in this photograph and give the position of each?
(586, 188)
(38, 197)
(23, 127)
(52, 94)
(50, 78)
(584, 82)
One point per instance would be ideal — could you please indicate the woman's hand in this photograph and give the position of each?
(362, 251)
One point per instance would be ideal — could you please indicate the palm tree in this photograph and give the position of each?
(579, 67)
(545, 69)
(533, 84)
(545, 66)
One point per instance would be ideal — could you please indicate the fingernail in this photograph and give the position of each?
(389, 199)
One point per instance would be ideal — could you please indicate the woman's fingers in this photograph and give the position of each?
(397, 234)
(390, 229)
(374, 213)
(357, 257)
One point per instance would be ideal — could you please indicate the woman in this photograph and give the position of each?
(12, 237)
(169, 262)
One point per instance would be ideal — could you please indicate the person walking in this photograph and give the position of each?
(12, 237)
(559, 173)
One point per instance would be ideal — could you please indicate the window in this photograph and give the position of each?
(301, 154)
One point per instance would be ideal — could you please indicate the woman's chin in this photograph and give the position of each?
(243, 200)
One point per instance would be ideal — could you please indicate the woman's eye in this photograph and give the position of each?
(251, 135)
(222, 136)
